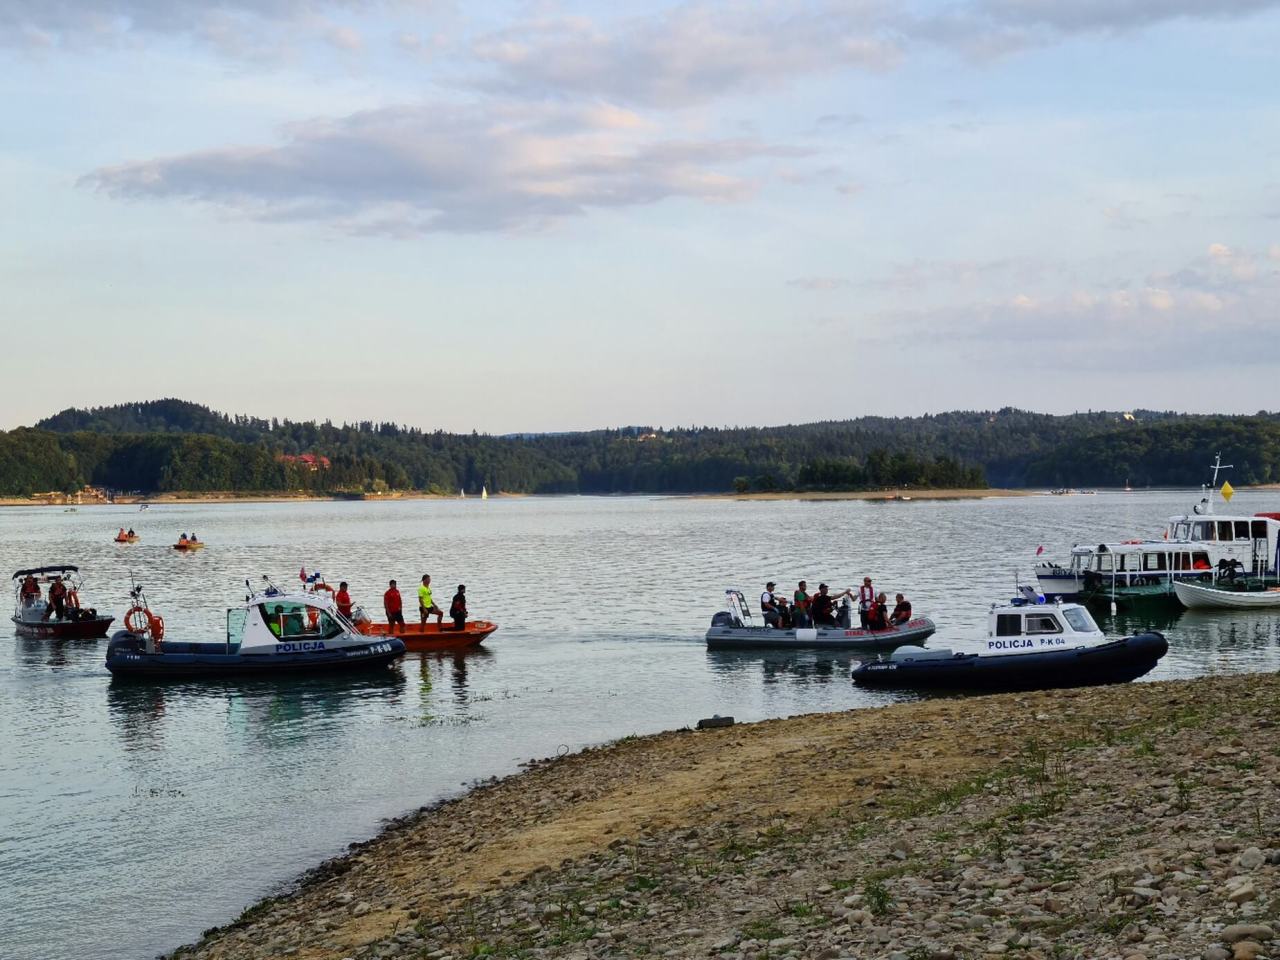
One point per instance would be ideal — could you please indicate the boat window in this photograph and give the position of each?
(1259, 529)
(1008, 625)
(1104, 562)
(1200, 561)
(1224, 530)
(1181, 531)
(1080, 620)
(1202, 530)
(288, 620)
(1182, 561)
(1043, 623)
(1153, 561)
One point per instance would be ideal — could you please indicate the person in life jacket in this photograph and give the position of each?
(29, 591)
(769, 606)
(866, 600)
(878, 615)
(57, 600)
(800, 605)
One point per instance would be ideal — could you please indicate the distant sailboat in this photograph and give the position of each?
(462, 494)
(484, 493)
(1127, 488)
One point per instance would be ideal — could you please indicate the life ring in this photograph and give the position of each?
(142, 621)
(316, 588)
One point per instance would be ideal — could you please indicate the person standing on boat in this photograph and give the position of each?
(392, 604)
(866, 600)
(769, 606)
(800, 605)
(901, 611)
(426, 604)
(458, 608)
(823, 606)
(343, 600)
(30, 591)
(878, 615)
(57, 600)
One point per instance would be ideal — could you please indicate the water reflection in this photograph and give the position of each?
(782, 666)
(272, 712)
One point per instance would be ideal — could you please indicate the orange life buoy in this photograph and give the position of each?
(142, 621)
(321, 586)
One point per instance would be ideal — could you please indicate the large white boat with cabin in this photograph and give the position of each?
(1197, 547)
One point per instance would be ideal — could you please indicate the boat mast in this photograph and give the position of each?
(1218, 466)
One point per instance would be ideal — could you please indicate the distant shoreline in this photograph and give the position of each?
(226, 497)
(972, 493)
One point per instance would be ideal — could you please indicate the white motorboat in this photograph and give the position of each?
(1220, 596)
(1194, 548)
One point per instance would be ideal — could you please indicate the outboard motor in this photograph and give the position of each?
(846, 613)
(725, 619)
(124, 641)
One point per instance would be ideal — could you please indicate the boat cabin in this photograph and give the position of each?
(274, 622)
(1022, 625)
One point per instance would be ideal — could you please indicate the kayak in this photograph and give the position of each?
(131, 539)
(725, 633)
(1115, 661)
(197, 545)
(425, 637)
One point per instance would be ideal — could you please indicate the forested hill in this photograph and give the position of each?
(175, 445)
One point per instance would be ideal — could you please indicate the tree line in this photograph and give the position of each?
(173, 445)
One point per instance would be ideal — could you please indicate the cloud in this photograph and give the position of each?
(689, 53)
(408, 170)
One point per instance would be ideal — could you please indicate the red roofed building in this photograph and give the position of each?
(309, 460)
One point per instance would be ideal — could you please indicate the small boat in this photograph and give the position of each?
(273, 634)
(1224, 595)
(426, 637)
(1032, 646)
(189, 545)
(127, 538)
(735, 629)
(33, 616)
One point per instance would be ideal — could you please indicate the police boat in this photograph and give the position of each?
(735, 629)
(1031, 645)
(274, 634)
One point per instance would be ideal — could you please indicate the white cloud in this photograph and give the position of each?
(407, 170)
(818, 283)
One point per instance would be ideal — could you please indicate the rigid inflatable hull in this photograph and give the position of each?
(426, 637)
(1118, 661)
(834, 638)
(138, 665)
(94, 629)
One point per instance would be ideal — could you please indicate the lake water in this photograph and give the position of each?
(131, 818)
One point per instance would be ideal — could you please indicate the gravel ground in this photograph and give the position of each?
(1125, 822)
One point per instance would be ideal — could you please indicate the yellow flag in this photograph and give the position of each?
(1227, 491)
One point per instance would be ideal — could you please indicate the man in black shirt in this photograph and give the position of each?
(901, 612)
(458, 608)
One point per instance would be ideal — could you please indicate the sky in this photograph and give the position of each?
(566, 215)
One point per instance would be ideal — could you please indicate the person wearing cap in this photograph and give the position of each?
(823, 606)
(866, 600)
(769, 606)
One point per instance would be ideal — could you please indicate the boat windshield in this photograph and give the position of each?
(1080, 620)
(296, 620)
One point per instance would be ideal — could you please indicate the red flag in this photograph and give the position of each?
(1039, 549)
(302, 574)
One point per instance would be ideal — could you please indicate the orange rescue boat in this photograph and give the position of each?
(426, 637)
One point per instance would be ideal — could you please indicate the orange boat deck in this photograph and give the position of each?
(433, 636)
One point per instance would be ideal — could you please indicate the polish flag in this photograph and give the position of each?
(1039, 549)
(302, 574)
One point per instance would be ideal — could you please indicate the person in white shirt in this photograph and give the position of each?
(769, 606)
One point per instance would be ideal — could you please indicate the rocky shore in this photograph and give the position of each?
(1138, 823)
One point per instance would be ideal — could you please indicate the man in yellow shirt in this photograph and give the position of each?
(426, 605)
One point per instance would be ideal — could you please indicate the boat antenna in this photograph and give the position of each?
(1218, 466)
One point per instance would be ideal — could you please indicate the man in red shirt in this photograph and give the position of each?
(343, 600)
(391, 603)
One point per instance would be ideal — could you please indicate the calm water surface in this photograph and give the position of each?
(131, 818)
